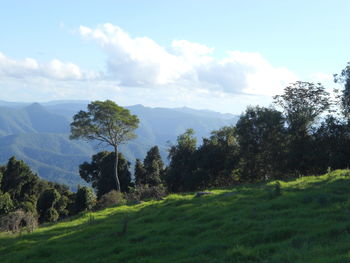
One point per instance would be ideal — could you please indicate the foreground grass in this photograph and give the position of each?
(308, 222)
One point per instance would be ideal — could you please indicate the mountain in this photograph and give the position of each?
(39, 134)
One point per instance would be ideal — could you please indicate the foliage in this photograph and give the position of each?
(109, 199)
(19, 181)
(151, 172)
(302, 103)
(105, 122)
(182, 163)
(100, 172)
(332, 144)
(146, 192)
(85, 199)
(344, 77)
(261, 136)
(50, 215)
(217, 159)
(18, 220)
(46, 205)
(139, 173)
(6, 204)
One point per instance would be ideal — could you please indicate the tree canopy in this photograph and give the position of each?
(107, 123)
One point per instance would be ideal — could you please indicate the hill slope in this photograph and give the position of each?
(308, 222)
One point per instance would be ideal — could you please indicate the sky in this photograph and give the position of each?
(217, 55)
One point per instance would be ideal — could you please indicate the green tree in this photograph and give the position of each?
(182, 163)
(332, 144)
(6, 204)
(108, 123)
(139, 173)
(261, 136)
(85, 199)
(100, 172)
(217, 158)
(344, 78)
(46, 203)
(19, 181)
(302, 103)
(154, 167)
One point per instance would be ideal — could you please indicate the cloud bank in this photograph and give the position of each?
(140, 61)
(139, 70)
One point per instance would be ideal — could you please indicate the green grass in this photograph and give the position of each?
(308, 222)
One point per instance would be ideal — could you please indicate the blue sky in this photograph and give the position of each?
(219, 55)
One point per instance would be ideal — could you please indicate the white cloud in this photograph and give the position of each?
(140, 61)
(30, 68)
(182, 74)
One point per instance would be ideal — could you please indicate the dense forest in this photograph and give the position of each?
(305, 132)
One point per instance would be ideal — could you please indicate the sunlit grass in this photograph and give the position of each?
(309, 221)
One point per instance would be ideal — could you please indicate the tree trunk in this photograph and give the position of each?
(116, 168)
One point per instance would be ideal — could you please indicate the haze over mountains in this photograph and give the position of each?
(39, 134)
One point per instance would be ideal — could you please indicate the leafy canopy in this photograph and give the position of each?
(106, 122)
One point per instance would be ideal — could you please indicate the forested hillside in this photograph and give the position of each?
(39, 135)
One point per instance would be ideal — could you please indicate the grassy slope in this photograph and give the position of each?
(309, 222)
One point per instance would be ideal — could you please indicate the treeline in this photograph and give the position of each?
(305, 132)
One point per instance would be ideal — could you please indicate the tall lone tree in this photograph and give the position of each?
(107, 123)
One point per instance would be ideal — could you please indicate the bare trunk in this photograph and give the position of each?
(116, 168)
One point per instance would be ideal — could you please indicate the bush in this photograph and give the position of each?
(17, 221)
(47, 200)
(145, 192)
(6, 204)
(28, 207)
(112, 198)
(85, 199)
(51, 215)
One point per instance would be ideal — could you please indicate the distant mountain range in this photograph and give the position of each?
(39, 134)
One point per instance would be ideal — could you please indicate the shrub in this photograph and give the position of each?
(48, 199)
(17, 221)
(6, 204)
(145, 192)
(28, 207)
(51, 215)
(85, 199)
(112, 198)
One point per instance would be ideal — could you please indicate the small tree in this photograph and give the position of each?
(139, 173)
(85, 199)
(154, 167)
(108, 123)
(6, 204)
(46, 203)
(182, 164)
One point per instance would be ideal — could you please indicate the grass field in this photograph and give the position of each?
(308, 220)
